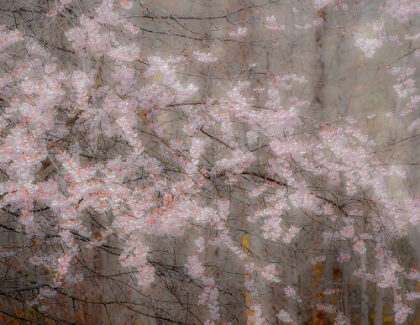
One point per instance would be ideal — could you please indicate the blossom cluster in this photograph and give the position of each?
(204, 57)
(240, 32)
(210, 293)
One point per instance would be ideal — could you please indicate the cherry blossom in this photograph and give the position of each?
(284, 317)
(132, 139)
(204, 57)
(291, 293)
(401, 312)
(240, 32)
(272, 24)
(368, 45)
(340, 319)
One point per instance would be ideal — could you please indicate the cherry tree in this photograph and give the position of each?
(146, 176)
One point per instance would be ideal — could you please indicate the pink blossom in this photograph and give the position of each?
(368, 46)
(270, 273)
(256, 317)
(196, 149)
(129, 27)
(63, 264)
(204, 57)
(291, 234)
(394, 39)
(283, 316)
(145, 275)
(347, 232)
(343, 257)
(7, 39)
(340, 319)
(412, 296)
(326, 307)
(105, 13)
(199, 242)
(401, 312)
(124, 53)
(239, 161)
(291, 293)
(328, 210)
(413, 275)
(413, 125)
(240, 32)
(272, 24)
(351, 120)
(359, 247)
(329, 291)
(127, 5)
(194, 267)
(35, 48)
(59, 7)
(376, 25)
(317, 259)
(401, 9)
